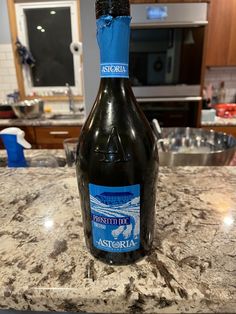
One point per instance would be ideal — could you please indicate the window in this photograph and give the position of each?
(48, 29)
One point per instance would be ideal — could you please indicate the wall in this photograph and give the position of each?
(216, 75)
(90, 52)
(8, 81)
(5, 37)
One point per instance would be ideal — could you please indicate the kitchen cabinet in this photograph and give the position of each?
(231, 130)
(50, 137)
(221, 42)
(53, 136)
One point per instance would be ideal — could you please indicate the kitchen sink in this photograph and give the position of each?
(67, 116)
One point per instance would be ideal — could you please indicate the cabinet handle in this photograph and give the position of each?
(59, 133)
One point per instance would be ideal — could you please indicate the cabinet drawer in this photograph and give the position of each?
(53, 137)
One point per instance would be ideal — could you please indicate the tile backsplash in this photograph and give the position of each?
(8, 82)
(215, 76)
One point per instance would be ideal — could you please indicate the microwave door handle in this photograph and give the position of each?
(167, 99)
(171, 39)
(169, 65)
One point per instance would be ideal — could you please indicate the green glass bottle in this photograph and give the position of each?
(117, 159)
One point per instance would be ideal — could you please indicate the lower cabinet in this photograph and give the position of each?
(51, 137)
(231, 130)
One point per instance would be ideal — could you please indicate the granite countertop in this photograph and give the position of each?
(221, 122)
(38, 157)
(44, 264)
(31, 153)
(47, 120)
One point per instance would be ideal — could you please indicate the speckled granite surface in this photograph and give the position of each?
(44, 264)
(221, 122)
(38, 157)
(30, 153)
(44, 121)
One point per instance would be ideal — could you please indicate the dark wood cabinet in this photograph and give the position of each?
(232, 39)
(231, 130)
(53, 136)
(221, 40)
(50, 137)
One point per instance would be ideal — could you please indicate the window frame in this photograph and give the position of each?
(22, 33)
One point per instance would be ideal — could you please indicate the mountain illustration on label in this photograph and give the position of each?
(115, 215)
(115, 198)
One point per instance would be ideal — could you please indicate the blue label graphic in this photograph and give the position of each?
(113, 39)
(115, 216)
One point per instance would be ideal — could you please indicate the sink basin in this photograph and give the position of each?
(67, 116)
(37, 162)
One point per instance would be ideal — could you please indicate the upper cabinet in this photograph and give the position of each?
(221, 43)
(49, 30)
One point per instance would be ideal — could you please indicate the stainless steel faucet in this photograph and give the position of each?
(69, 93)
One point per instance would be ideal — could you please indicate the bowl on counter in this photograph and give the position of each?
(28, 109)
(195, 147)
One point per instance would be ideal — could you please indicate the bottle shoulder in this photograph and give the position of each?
(127, 118)
(119, 110)
(116, 121)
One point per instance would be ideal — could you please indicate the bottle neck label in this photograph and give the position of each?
(113, 39)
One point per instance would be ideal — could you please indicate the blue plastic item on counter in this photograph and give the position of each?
(14, 142)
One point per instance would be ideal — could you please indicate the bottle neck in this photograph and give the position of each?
(114, 82)
(109, 85)
(113, 39)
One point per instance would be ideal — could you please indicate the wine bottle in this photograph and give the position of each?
(117, 159)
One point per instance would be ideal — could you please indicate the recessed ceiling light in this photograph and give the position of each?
(52, 12)
(42, 30)
(39, 27)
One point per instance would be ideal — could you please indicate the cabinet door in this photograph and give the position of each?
(53, 137)
(231, 130)
(232, 39)
(221, 43)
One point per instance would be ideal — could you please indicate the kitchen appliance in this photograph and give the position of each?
(195, 147)
(28, 109)
(166, 52)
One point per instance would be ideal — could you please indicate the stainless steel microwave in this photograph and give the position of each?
(166, 49)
